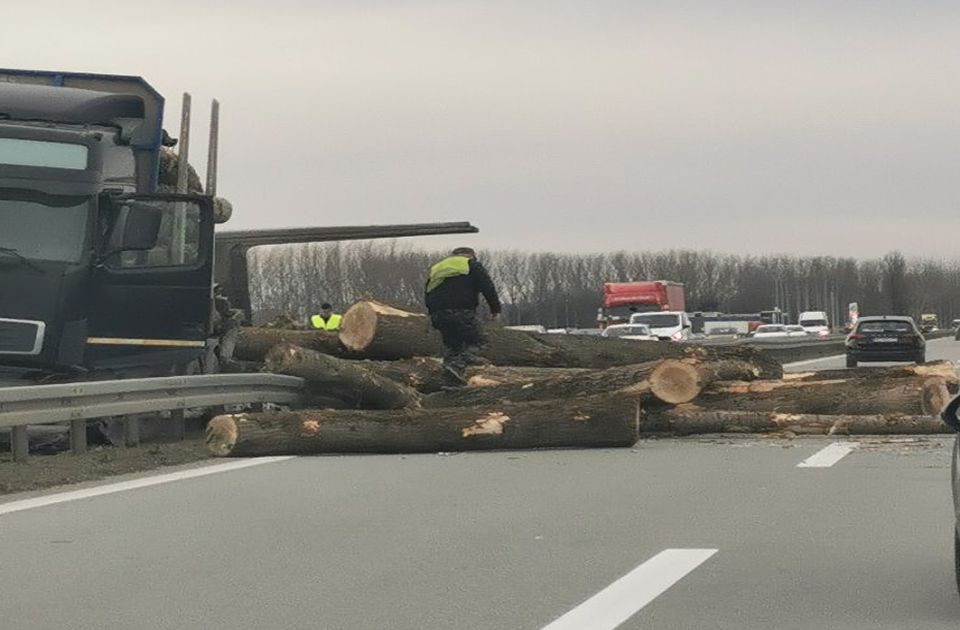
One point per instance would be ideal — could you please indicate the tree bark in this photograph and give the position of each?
(941, 369)
(253, 344)
(671, 381)
(691, 420)
(601, 421)
(347, 381)
(632, 379)
(375, 331)
(426, 374)
(855, 396)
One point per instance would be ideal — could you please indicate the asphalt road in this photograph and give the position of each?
(673, 534)
(945, 348)
(501, 540)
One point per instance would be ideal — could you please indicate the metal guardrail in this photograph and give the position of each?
(78, 402)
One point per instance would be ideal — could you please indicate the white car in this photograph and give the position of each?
(636, 332)
(666, 325)
(794, 330)
(815, 323)
(770, 331)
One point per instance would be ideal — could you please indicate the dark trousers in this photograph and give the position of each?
(462, 336)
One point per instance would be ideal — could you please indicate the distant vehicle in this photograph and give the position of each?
(670, 326)
(795, 330)
(623, 299)
(929, 322)
(637, 332)
(534, 328)
(815, 323)
(885, 338)
(724, 332)
(769, 331)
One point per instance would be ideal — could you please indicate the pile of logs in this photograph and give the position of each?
(378, 386)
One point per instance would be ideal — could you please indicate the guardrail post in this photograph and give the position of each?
(178, 424)
(19, 443)
(78, 436)
(131, 430)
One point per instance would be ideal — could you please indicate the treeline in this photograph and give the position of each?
(563, 290)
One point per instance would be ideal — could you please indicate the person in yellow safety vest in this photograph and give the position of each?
(452, 295)
(326, 319)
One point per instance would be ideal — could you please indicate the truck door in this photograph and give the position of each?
(151, 292)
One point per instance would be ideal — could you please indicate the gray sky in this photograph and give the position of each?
(806, 127)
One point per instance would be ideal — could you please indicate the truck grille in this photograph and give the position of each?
(20, 336)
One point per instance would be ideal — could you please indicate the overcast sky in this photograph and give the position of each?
(807, 127)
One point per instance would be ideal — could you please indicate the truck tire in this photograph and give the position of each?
(921, 358)
(851, 361)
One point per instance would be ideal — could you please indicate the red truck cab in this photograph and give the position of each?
(622, 299)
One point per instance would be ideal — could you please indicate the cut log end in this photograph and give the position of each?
(675, 382)
(934, 396)
(358, 327)
(221, 435)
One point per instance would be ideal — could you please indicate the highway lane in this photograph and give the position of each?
(502, 540)
(937, 349)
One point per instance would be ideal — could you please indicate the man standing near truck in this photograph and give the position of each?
(326, 319)
(452, 296)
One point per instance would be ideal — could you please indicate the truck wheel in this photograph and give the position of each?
(851, 361)
(922, 357)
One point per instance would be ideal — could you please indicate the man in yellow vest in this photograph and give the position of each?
(326, 319)
(452, 296)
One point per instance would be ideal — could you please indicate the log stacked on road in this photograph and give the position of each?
(379, 387)
(372, 330)
(602, 421)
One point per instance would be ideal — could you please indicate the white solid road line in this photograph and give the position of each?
(134, 484)
(828, 455)
(624, 598)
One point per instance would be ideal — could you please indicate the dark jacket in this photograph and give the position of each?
(462, 292)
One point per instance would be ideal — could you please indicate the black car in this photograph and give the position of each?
(885, 338)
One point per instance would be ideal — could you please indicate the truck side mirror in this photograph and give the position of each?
(141, 228)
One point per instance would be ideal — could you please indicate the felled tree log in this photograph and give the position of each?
(940, 369)
(671, 381)
(691, 419)
(375, 331)
(426, 374)
(347, 381)
(634, 379)
(253, 344)
(680, 381)
(601, 421)
(854, 396)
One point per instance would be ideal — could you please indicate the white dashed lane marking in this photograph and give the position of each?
(624, 598)
(829, 455)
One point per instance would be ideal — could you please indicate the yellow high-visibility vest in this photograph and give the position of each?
(447, 268)
(332, 323)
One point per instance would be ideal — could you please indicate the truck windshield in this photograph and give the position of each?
(43, 227)
(813, 322)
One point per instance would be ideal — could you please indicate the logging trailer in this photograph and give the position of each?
(104, 274)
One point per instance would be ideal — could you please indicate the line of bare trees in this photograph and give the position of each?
(563, 290)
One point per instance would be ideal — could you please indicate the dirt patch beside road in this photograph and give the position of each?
(45, 471)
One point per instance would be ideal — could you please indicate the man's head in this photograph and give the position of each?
(465, 251)
(325, 308)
